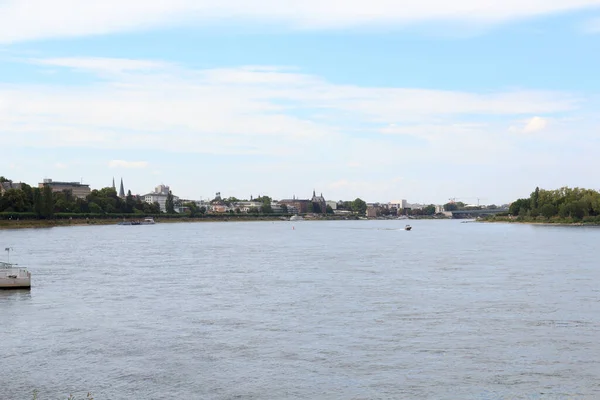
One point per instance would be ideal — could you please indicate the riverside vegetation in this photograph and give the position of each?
(30, 207)
(564, 206)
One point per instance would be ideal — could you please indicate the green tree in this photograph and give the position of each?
(170, 204)
(450, 207)
(193, 209)
(48, 202)
(284, 208)
(429, 210)
(548, 211)
(359, 206)
(535, 196)
(329, 209)
(38, 202)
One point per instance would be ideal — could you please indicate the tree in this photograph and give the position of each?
(548, 210)
(170, 204)
(359, 206)
(310, 208)
(48, 202)
(202, 210)
(38, 202)
(535, 196)
(429, 210)
(192, 208)
(329, 209)
(284, 208)
(450, 207)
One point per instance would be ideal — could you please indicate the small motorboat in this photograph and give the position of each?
(407, 228)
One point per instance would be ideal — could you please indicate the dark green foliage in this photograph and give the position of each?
(566, 203)
(170, 203)
(359, 206)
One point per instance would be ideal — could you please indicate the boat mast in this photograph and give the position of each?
(7, 254)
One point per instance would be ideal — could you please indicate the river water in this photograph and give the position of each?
(304, 310)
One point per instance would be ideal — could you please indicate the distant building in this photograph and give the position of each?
(301, 206)
(332, 204)
(122, 190)
(160, 196)
(319, 203)
(6, 186)
(371, 211)
(79, 190)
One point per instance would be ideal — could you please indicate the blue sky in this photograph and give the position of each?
(381, 100)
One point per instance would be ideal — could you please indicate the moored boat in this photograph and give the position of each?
(14, 277)
(407, 228)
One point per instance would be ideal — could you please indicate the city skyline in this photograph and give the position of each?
(379, 100)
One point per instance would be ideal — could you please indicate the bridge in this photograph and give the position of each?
(477, 213)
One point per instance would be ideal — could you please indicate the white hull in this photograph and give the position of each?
(15, 278)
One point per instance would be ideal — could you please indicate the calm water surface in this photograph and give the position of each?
(328, 310)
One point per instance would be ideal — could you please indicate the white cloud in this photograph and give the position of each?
(531, 125)
(292, 127)
(35, 19)
(99, 64)
(127, 164)
(535, 124)
(246, 110)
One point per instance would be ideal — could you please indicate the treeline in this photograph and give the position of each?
(576, 204)
(43, 203)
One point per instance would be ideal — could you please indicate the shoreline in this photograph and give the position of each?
(58, 223)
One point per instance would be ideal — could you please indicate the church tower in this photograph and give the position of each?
(113, 186)
(122, 190)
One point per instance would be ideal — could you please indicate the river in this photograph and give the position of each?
(304, 310)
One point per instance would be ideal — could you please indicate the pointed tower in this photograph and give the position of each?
(122, 190)
(113, 186)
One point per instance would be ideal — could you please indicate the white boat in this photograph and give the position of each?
(146, 221)
(296, 218)
(407, 228)
(14, 277)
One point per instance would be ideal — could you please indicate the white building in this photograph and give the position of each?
(160, 196)
(398, 204)
(332, 204)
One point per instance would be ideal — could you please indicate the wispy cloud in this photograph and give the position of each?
(36, 19)
(127, 164)
(293, 121)
(246, 110)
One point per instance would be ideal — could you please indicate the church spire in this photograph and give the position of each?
(113, 186)
(122, 189)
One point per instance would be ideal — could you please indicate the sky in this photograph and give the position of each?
(383, 99)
